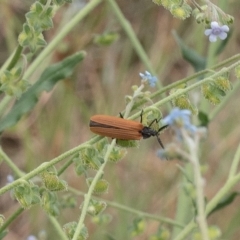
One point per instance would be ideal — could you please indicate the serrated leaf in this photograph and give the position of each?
(70, 228)
(24, 195)
(182, 11)
(37, 7)
(127, 143)
(30, 38)
(50, 203)
(46, 82)
(198, 62)
(39, 18)
(36, 195)
(96, 207)
(100, 187)
(52, 182)
(117, 154)
(90, 158)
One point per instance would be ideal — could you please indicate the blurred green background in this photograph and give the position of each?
(99, 84)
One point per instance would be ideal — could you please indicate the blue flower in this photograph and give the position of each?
(147, 76)
(180, 118)
(177, 115)
(216, 31)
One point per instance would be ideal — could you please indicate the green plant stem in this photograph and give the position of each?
(48, 3)
(51, 46)
(196, 75)
(144, 214)
(211, 57)
(15, 57)
(58, 38)
(59, 230)
(230, 183)
(133, 38)
(187, 89)
(183, 215)
(6, 63)
(10, 163)
(65, 166)
(199, 184)
(235, 163)
(132, 210)
(11, 219)
(4, 104)
(226, 61)
(211, 205)
(46, 165)
(87, 197)
(195, 85)
(187, 79)
(182, 235)
(131, 103)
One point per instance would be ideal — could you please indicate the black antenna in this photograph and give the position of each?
(157, 135)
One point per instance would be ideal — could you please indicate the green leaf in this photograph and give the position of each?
(203, 118)
(127, 143)
(117, 154)
(52, 182)
(46, 82)
(70, 228)
(225, 202)
(222, 45)
(30, 38)
(59, 2)
(96, 207)
(198, 62)
(100, 187)
(39, 18)
(3, 234)
(90, 158)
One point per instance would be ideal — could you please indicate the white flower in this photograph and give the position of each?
(216, 31)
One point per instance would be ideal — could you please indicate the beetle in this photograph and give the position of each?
(124, 129)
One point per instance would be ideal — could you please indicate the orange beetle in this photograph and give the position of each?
(123, 129)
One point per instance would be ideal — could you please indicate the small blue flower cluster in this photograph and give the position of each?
(147, 76)
(180, 118)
